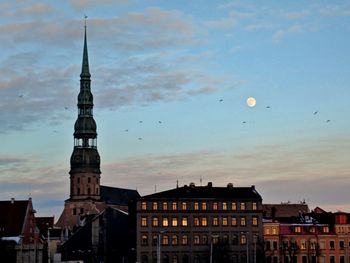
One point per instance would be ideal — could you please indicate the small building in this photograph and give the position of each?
(19, 236)
(200, 224)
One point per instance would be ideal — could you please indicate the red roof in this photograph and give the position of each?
(12, 217)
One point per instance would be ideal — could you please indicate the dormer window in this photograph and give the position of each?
(297, 229)
(325, 229)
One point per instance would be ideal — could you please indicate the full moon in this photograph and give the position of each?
(251, 102)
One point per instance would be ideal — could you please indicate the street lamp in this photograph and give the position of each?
(211, 247)
(158, 246)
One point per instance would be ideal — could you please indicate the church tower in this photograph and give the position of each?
(85, 190)
(87, 196)
(85, 160)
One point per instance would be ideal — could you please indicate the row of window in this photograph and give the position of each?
(303, 244)
(305, 259)
(186, 259)
(296, 229)
(198, 221)
(89, 180)
(197, 206)
(197, 239)
(89, 191)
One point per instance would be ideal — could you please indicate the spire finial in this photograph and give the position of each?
(85, 73)
(85, 18)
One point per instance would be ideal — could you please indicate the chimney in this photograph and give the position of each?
(12, 200)
(230, 185)
(210, 184)
(192, 185)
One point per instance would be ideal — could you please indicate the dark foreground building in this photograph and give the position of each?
(195, 224)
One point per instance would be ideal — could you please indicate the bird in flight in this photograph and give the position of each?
(221, 100)
(268, 107)
(328, 120)
(20, 96)
(140, 121)
(315, 112)
(244, 122)
(126, 130)
(159, 121)
(66, 108)
(139, 138)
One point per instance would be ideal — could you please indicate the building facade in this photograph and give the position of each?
(313, 238)
(200, 224)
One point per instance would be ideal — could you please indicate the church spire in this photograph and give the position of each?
(85, 72)
(85, 160)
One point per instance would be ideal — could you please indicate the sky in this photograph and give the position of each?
(170, 81)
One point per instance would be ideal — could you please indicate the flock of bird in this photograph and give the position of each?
(160, 122)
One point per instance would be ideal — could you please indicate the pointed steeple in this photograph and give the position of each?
(85, 160)
(85, 72)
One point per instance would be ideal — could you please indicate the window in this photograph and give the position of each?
(204, 221)
(89, 179)
(165, 240)
(233, 221)
(215, 239)
(303, 244)
(341, 244)
(331, 244)
(254, 220)
(243, 239)
(174, 206)
(297, 229)
(154, 240)
(267, 245)
(174, 240)
(184, 240)
(165, 221)
(331, 259)
(143, 206)
(204, 239)
(196, 240)
(144, 240)
(254, 206)
(274, 245)
(267, 231)
(89, 190)
(174, 221)
(155, 221)
(325, 229)
(78, 180)
(243, 221)
(274, 231)
(304, 259)
(215, 206)
(225, 239)
(215, 221)
(74, 211)
(184, 206)
(341, 259)
(78, 191)
(204, 206)
(196, 206)
(165, 206)
(196, 221)
(224, 206)
(184, 221)
(225, 221)
(242, 206)
(143, 221)
(155, 206)
(234, 240)
(234, 206)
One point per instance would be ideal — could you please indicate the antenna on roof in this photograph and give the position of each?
(155, 188)
(177, 183)
(200, 180)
